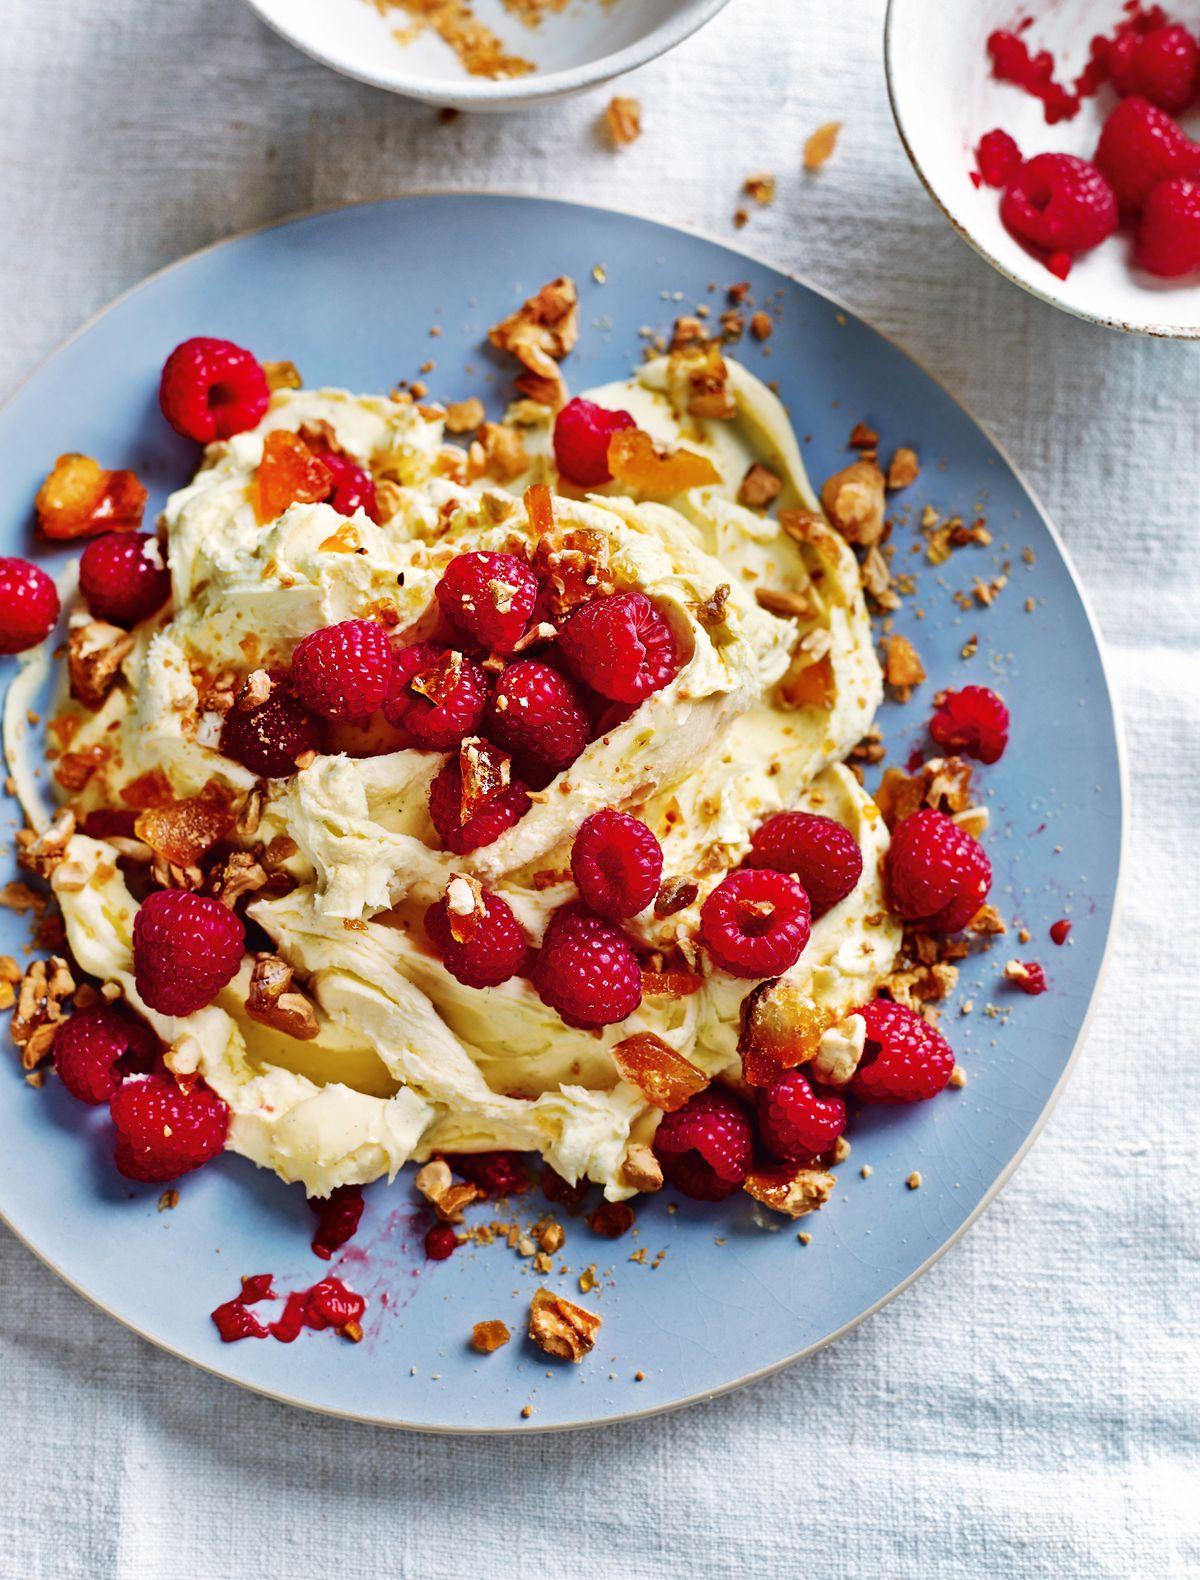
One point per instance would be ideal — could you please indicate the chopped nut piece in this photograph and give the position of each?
(987, 919)
(958, 1077)
(542, 330)
(785, 604)
(464, 416)
(688, 332)
(273, 1002)
(43, 852)
(168, 1201)
(502, 452)
(45, 987)
(877, 579)
(675, 895)
(95, 653)
(903, 468)
(487, 1337)
(795, 1192)
(640, 1169)
(250, 815)
(820, 145)
(448, 1198)
(841, 1150)
(239, 874)
(80, 499)
(698, 380)
(862, 437)
(282, 376)
(761, 326)
(761, 188)
(914, 1180)
(255, 690)
(711, 612)
(902, 669)
(759, 487)
(665, 1078)
(551, 1237)
(624, 117)
(560, 1327)
(854, 501)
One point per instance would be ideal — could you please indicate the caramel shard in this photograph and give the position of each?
(573, 568)
(42, 853)
(791, 1191)
(439, 680)
(902, 669)
(488, 1337)
(854, 501)
(698, 376)
(464, 416)
(542, 331)
(624, 117)
(636, 462)
(560, 1327)
(665, 1078)
(903, 468)
(80, 499)
(95, 653)
(781, 1028)
(40, 1011)
(670, 984)
(183, 831)
(641, 1170)
(539, 508)
(820, 145)
(760, 487)
(465, 906)
(273, 1002)
(288, 474)
(486, 770)
(282, 376)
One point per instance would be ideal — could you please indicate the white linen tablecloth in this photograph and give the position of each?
(1029, 1408)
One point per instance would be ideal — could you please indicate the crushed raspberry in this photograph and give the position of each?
(621, 646)
(1060, 931)
(617, 864)
(937, 873)
(756, 922)
(495, 1173)
(1028, 976)
(1168, 233)
(478, 951)
(268, 739)
(212, 389)
(440, 1242)
(338, 1216)
(481, 826)
(818, 851)
(1140, 146)
(1013, 62)
(794, 1123)
(1059, 264)
(353, 485)
(236, 1321)
(328, 1304)
(586, 969)
(582, 431)
(1059, 203)
(1161, 65)
(905, 1059)
(98, 1048)
(343, 671)
(122, 577)
(435, 694)
(163, 1130)
(998, 158)
(489, 596)
(186, 947)
(537, 714)
(28, 605)
(973, 720)
(705, 1149)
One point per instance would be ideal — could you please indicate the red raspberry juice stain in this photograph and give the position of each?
(327, 1304)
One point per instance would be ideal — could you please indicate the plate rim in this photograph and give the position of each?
(1122, 785)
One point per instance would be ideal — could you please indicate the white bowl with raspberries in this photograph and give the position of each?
(1060, 146)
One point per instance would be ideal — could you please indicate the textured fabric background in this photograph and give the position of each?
(1029, 1408)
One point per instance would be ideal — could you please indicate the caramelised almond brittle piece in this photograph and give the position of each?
(781, 1028)
(95, 653)
(794, 1191)
(289, 474)
(183, 831)
(665, 1078)
(272, 1000)
(636, 462)
(698, 379)
(486, 770)
(80, 499)
(560, 1327)
(540, 332)
(854, 501)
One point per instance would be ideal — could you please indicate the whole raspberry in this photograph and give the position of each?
(122, 577)
(973, 720)
(485, 823)
(1140, 145)
(1161, 65)
(1168, 233)
(705, 1148)
(98, 1048)
(935, 871)
(756, 922)
(587, 970)
(794, 1122)
(338, 1216)
(353, 485)
(621, 646)
(818, 851)
(496, 1173)
(440, 1242)
(186, 947)
(28, 605)
(478, 951)
(582, 431)
(435, 694)
(163, 1130)
(537, 714)
(489, 596)
(212, 389)
(998, 158)
(268, 739)
(905, 1059)
(617, 864)
(1056, 201)
(343, 671)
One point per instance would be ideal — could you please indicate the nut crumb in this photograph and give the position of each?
(488, 1337)
(958, 1077)
(624, 118)
(820, 145)
(169, 1199)
(914, 1180)
(560, 1327)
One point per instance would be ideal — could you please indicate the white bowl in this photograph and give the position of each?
(589, 42)
(944, 98)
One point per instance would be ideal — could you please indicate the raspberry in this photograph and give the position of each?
(756, 922)
(537, 714)
(1012, 62)
(1140, 145)
(973, 720)
(495, 1173)
(998, 158)
(268, 739)
(1161, 66)
(493, 949)
(344, 671)
(485, 824)
(435, 694)
(582, 431)
(28, 605)
(186, 947)
(164, 1131)
(489, 596)
(617, 864)
(621, 646)
(122, 577)
(705, 1148)
(1027, 974)
(440, 1242)
(794, 1123)
(818, 851)
(353, 485)
(587, 970)
(1060, 931)
(935, 871)
(212, 389)
(98, 1048)
(337, 1219)
(1168, 233)
(905, 1059)
(1056, 201)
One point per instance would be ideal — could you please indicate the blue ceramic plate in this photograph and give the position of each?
(351, 297)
